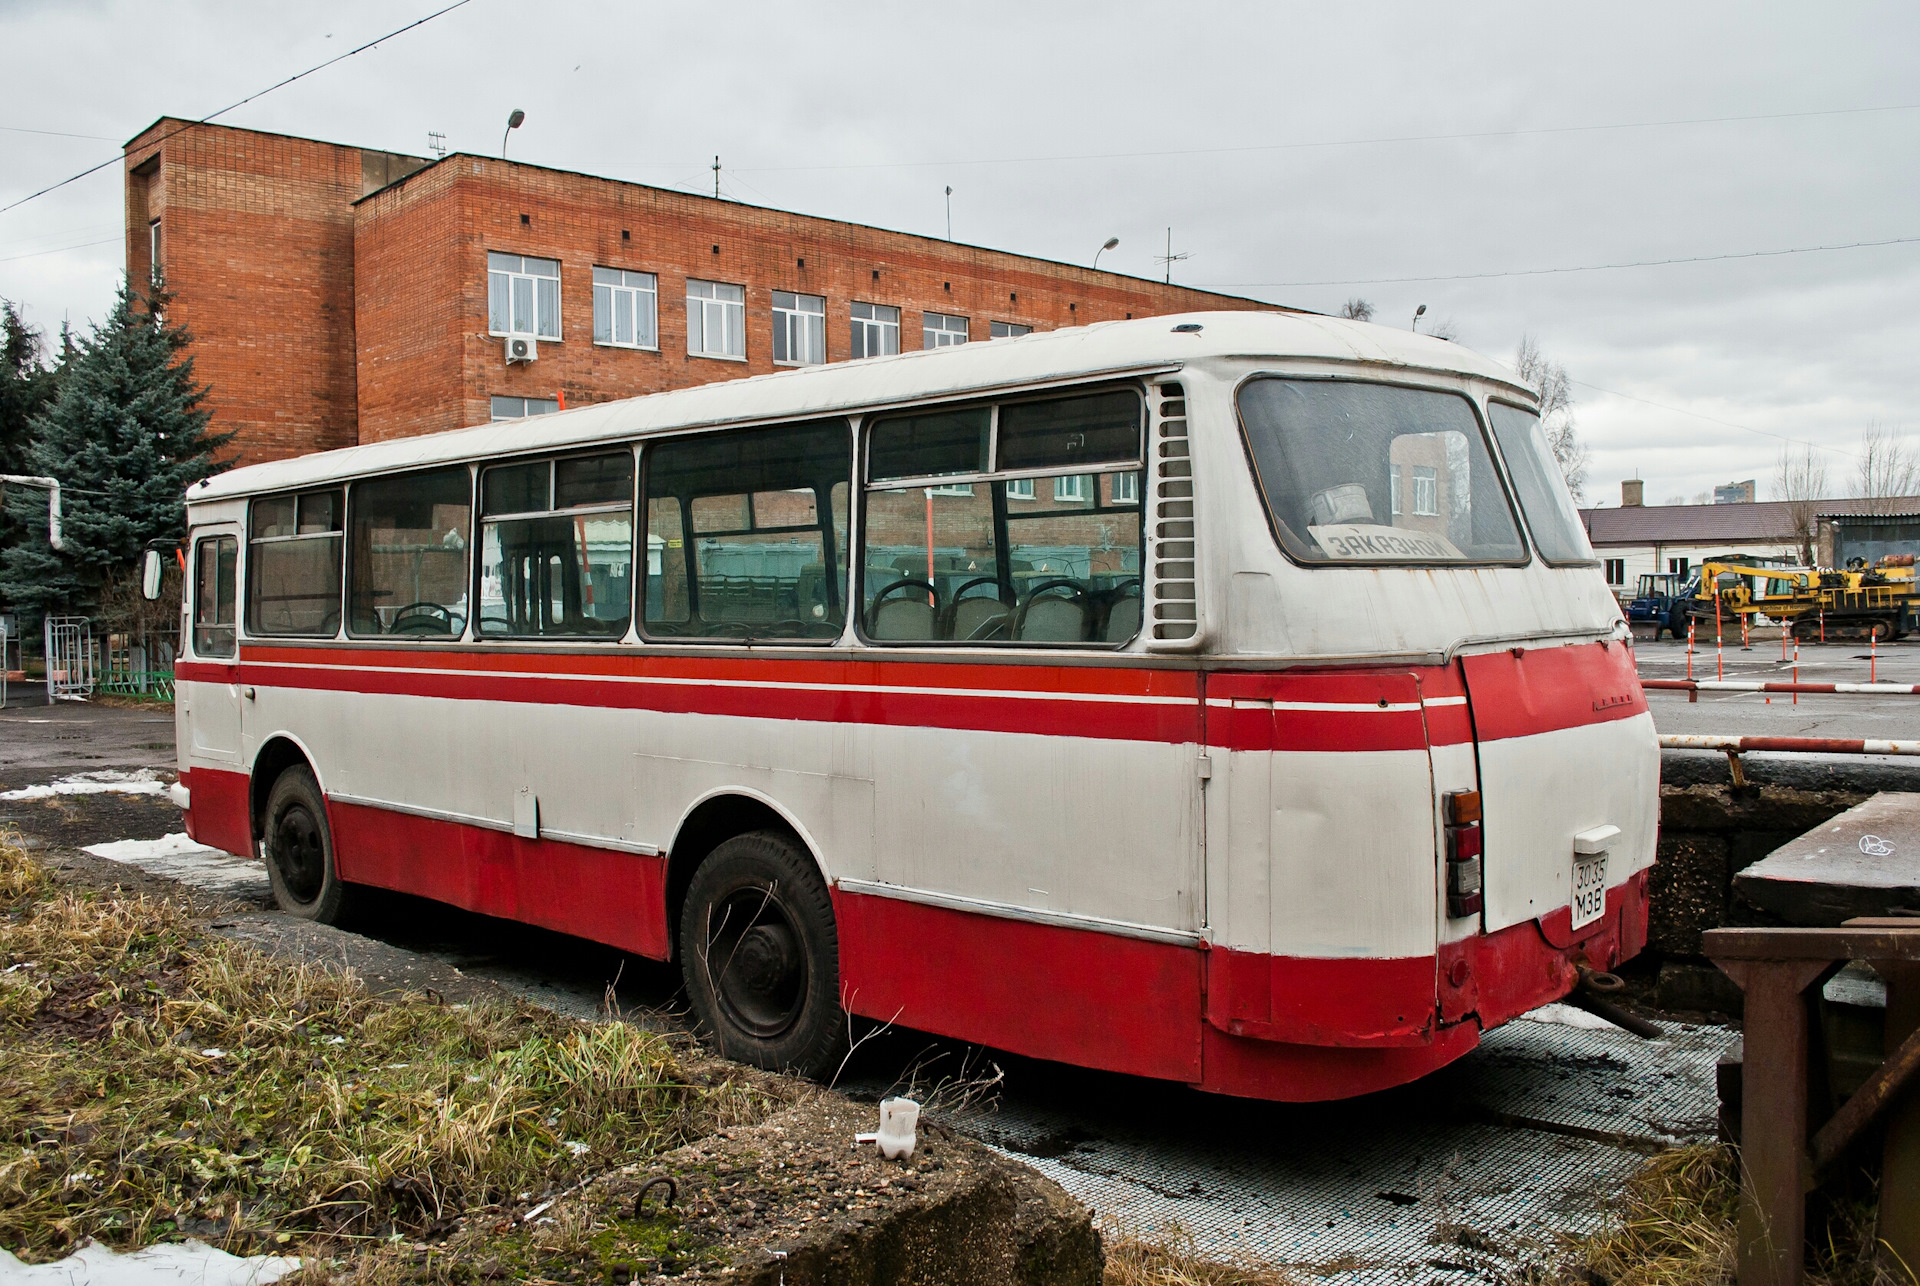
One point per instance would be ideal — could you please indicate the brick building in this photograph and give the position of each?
(340, 294)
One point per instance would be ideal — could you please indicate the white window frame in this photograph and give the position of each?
(875, 321)
(952, 489)
(1073, 486)
(943, 334)
(1616, 571)
(154, 247)
(1007, 330)
(709, 302)
(512, 269)
(1019, 488)
(547, 405)
(799, 326)
(639, 289)
(1126, 488)
(1426, 491)
(1398, 502)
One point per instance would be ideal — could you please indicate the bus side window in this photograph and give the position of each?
(556, 548)
(407, 551)
(293, 565)
(747, 533)
(1047, 558)
(216, 564)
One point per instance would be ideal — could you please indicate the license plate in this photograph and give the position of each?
(1589, 901)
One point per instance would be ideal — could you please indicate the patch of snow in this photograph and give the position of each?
(132, 850)
(192, 1261)
(107, 780)
(1567, 1016)
(177, 857)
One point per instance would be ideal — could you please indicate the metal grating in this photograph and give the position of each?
(1471, 1172)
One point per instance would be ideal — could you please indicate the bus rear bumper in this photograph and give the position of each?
(1314, 1050)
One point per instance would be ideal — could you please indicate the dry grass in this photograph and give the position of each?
(1678, 1220)
(1170, 1258)
(156, 1082)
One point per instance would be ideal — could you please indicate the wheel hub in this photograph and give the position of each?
(759, 966)
(299, 854)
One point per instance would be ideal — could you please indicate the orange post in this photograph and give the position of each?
(1690, 625)
(932, 600)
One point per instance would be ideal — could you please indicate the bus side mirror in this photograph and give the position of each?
(151, 569)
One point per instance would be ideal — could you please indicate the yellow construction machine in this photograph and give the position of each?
(1812, 602)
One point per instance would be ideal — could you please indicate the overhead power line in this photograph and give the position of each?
(280, 84)
(1541, 272)
(60, 250)
(54, 133)
(1711, 419)
(1342, 142)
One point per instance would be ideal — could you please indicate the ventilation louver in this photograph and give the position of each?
(1175, 610)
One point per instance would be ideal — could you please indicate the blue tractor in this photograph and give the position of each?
(1662, 603)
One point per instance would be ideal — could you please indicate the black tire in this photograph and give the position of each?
(299, 850)
(761, 956)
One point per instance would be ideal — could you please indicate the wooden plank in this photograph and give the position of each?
(1866, 943)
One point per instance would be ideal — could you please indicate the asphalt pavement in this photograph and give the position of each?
(1746, 714)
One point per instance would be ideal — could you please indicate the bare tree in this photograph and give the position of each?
(1549, 379)
(1801, 481)
(1888, 470)
(1444, 330)
(1357, 309)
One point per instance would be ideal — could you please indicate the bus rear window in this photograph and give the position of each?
(1373, 473)
(1555, 523)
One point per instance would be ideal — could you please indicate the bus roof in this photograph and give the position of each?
(1116, 347)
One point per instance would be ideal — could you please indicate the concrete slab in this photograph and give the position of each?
(1864, 862)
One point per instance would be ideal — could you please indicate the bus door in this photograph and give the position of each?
(212, 709)
(1323, 893)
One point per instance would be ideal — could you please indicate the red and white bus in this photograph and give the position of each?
(1226, 698)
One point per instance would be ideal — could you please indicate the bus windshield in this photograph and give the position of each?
(1374, 473)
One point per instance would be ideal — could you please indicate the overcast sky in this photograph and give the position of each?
(1291, 149)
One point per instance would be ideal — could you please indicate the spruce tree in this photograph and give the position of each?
(126, 435)
(26, 389)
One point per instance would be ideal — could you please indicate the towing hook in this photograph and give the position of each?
(1594, 993)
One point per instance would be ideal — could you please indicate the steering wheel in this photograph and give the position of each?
(423, 618)
(1077, 592)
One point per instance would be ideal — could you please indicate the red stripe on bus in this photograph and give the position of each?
(595, 893)
(1073, 995)
(218, 814)
(1526, 691)
(958, 708)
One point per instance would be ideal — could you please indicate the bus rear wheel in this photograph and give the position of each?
(761, 956)
(299, 850)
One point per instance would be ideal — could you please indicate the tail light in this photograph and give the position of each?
(1464, 839)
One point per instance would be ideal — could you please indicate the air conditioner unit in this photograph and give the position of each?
(522, 348)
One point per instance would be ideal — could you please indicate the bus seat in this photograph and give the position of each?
(905, 609)
(1056, 612)
(971, 614)
(1123, 614)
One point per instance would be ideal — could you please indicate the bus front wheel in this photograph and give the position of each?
(299, 850)
(761, 957)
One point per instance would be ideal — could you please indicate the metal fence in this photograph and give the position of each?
(137, 665)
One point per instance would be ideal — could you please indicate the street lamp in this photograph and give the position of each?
(1417, 314)
(513, 123)
(1111, 243)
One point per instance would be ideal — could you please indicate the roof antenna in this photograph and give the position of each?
(1171, 258)
(716, 178)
